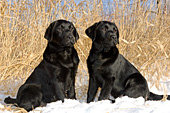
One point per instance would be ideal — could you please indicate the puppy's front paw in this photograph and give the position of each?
(112, 101)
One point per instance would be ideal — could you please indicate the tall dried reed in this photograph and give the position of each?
(144, 35)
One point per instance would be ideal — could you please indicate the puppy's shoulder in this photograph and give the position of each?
(121, 57)
(122, 60)
(92, 58)
(126, 64)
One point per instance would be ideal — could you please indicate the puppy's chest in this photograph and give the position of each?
(63, 60)
(106, 67)
(97, 61)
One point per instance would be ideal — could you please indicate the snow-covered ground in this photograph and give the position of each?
(122, 105)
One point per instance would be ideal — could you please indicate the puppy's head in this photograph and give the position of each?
(62, 33)
(104, 32)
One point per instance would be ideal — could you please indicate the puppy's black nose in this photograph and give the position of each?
(70, 37)
(113, 37)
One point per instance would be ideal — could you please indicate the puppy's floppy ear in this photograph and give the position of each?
(49, 32)
(91, 31)
(76, 35)
(117, 34)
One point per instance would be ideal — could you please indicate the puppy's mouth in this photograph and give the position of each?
(69, 42)
(114, 39)
(111, 41)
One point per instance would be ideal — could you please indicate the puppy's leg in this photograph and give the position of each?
(92, 90)
(71, 94)
(136, 86)
(106, 89)
(58, 91)
(30, 96)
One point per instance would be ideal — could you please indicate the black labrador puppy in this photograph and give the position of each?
(54, 78)
(110, 70)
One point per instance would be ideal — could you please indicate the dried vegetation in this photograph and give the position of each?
(144, 35)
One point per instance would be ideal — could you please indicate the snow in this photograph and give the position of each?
(122, 105)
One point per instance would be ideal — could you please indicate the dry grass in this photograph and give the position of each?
(13, 109)
(144, 35)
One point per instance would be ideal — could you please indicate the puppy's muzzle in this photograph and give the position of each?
(69, 40)
(114, 38)
(72, 39)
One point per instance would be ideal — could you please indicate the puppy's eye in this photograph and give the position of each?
(71, 28)
(106, 28)
(62, 26)
(114, 29)
(59, 29)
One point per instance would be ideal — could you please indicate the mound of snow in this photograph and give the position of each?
(122, 105)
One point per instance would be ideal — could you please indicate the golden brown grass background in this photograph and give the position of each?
(144, 35)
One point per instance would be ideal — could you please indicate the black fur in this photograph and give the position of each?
(110, 70)
(29, 96)
(55, 75)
